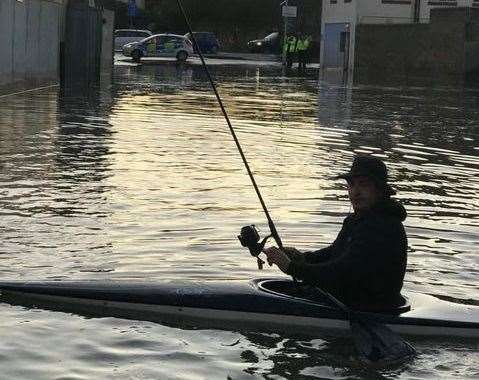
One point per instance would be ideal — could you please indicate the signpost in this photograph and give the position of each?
(132, 11)
(287, 12)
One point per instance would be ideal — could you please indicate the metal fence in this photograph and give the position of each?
(82, 46)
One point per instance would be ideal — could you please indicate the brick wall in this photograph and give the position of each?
(391, 51)
(434, 50)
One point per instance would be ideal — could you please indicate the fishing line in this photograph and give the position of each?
(272, 227)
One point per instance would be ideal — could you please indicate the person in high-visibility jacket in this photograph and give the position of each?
(169, 45)
(289, 48)
(302, 47)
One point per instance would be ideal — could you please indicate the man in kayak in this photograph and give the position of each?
(365, 266)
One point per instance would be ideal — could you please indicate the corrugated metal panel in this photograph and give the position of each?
(82, 44)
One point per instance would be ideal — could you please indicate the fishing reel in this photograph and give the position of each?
(249, 238)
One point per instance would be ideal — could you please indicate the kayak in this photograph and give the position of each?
(269, 303)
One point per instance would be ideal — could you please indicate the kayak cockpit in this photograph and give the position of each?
(304, 292)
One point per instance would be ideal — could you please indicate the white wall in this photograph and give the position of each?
(374, 11)
(6, 41)
(340, 12)
(29, 40)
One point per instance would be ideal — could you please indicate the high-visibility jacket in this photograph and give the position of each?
(299, 45)
(289, 45)
(303, 43)
(292, 44)
(169, 46)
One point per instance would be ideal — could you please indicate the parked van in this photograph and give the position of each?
(125, 36)
(207, 42)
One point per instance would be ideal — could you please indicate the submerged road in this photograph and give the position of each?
(138, 180)
(220, 59)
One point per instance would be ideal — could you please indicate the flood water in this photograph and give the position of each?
(141, 180)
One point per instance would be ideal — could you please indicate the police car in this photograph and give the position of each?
(125, 36)
(160, 45)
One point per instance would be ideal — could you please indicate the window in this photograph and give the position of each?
(132, 33)
(149, 40)
(271, 36)
(122, 33)
(397, 2)
(141, 34)
(173, 39)
(343, 41)
(443, 3)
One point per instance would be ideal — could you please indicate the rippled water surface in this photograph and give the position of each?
(140, 180)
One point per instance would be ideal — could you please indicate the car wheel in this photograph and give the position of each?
(182, 56)
(136, 55)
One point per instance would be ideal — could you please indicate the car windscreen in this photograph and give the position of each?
(271, 36)
(122, 33)
(148, 39)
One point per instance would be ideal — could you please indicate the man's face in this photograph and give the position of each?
(363, 193)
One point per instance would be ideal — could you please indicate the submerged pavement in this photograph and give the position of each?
(219, 59)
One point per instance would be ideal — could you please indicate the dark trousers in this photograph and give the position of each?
(290, 58)
(302, 59)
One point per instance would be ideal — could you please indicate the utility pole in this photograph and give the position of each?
(287, 12)
(132, 11)
(285, 31)
(417, 11)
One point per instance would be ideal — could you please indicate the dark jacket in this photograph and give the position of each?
(365, 265)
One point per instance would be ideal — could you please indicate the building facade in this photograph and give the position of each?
(341, 20)
(32, 40)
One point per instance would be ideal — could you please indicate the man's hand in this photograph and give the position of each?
(277, 256)
(294, 254)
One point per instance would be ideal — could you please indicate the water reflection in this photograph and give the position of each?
(84, 135)
(56, 152)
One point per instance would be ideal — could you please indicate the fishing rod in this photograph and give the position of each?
(248, 233)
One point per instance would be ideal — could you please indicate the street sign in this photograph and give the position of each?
(132, 9)
(289, 11)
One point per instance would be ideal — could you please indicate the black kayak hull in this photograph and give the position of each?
(250, 304)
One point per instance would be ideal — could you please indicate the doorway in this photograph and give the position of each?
(337, 42)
